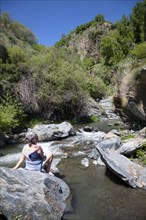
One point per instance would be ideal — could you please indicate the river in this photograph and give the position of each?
(97, 194)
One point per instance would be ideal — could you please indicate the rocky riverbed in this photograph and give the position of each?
(96, 147)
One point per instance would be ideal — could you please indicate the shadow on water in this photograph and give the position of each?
(109, 174)
(97, 194)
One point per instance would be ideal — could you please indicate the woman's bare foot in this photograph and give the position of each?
(50, 173)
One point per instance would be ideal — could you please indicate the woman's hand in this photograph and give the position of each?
(22, 158)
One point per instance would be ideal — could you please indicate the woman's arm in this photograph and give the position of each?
(40, 151)
(22, 158)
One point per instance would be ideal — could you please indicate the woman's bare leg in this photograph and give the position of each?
(48, 162)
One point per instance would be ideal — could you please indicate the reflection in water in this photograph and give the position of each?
(99, 195)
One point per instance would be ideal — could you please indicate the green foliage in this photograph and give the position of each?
(64, 41)
(39, 48)
(96, 33)
(127, 137)
(94, 118)
(11, 113)
(5, 20)
(54, 82)
(138, 21)
(99, 18)
(141, 155)
(144, 26)
(95, 87)
(83, 27)
(88, 62)
(117, 44)
(3, 53)
(17, 54)
(60, 84)
(13, 32)
(8, 72)
(18, 217)
(139, 51)
(23, 33)
(111, 48)
(103, 72)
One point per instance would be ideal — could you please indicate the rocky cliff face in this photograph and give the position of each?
(131, 98)
(87, 42)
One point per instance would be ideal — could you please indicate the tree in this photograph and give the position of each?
(111, 48)
(138, 22)
(4, 20)
(99, 18)
(145, 20)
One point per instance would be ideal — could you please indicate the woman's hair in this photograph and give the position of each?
(32, 139)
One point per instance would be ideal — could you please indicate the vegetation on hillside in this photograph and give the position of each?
(54, 83)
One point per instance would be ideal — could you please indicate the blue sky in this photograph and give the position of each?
(48, 20)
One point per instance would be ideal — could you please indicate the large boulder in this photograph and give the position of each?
(130, 101)
(52, 132)
(132, 173)
(32, 195)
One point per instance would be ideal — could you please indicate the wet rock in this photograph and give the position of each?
(85, 162)
(32, 194)
(131, 146)
(52, 131)
(116, 132)
(90, 129)
(111, 143)
(91, 108)
(132, 173)
(100, 162)
(111, 134)
(142, 132)
(87, 128)
(107, 105)
(94, 154)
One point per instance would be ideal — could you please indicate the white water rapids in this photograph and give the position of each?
(55, 146)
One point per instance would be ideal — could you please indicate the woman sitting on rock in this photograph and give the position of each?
(34, 157)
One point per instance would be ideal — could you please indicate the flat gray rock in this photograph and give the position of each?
(32, 195)
(50, 132)
(131, 173)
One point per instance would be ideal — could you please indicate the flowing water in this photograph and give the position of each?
(97, 194)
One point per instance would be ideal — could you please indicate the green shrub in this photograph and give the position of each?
(141, 155)
(103, 72)
(23, 33)
(94, 118)
(11, 114)
(9, 72)
(96, 87)
(139, 51)
(17, 54)
(88, 62)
